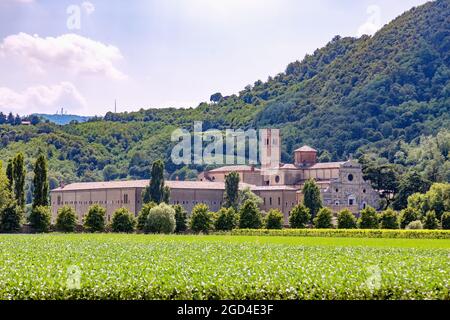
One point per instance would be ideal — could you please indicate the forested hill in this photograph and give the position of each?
(377, 95)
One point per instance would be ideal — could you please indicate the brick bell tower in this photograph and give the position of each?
(269, 148)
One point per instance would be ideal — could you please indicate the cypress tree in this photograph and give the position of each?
(232, 190)
(312, 199)
(10, 174)
(19, 180)
(40, 182)
(156, 191)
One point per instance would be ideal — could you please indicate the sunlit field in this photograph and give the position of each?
(111, 266)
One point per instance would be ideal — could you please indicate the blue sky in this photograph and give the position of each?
(82, 55)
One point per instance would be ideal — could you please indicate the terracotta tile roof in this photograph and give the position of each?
(273, 188)
(327, 165)
(143, 183)
(306, 149)
(238, 168)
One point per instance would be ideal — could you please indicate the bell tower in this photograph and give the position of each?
(269, 148)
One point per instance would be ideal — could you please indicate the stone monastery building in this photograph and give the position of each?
(279, 185)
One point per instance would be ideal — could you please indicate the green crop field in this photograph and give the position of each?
(111, 266)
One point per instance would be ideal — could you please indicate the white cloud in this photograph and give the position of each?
(70, 52)
(373, 22)
(88, 7)
(40, 99)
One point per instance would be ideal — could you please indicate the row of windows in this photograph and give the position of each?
(123, 201)
(196, 202)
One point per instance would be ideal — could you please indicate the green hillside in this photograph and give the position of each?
(386, 96)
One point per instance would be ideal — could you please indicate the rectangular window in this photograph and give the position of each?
(279, 201)
(125, 198)
(59, 200)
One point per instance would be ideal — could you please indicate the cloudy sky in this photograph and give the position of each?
(82, 55)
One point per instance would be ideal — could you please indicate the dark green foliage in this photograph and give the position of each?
(311, 197)
(232, 190)
(123, 221)
(11, 217)
(216, 97)
(368, 219)
(143, 215)
(300, 217)
(409, 184)
(40, 183)
(445, 221)
(383, 177)
(156, 191)
(226, 219)
(19, 179)
(389, 219)
(250, 216)
(407, 216)
(346, 220)
(180, 218)
(274, 219)
(95, 219)
(323, 219)
(10, 174)
(161, 219)
(66, 220)
(430, 221)
(40, 219)
(201, 219)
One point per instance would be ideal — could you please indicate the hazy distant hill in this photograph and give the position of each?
(63, 119)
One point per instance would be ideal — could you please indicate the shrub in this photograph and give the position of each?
(161, 219)
(180, 218)
(143, 216)
(430, 221)
(227, 219)
(250, 216)
(94, 221)
(368, 219)
(407, 216)
(66, 220)
(389, 219)
(299, 217)
(274, 219)
(445, 220)
(11, 217)
(323, 219)
(346, 220)
(201, 219)
(415, 225)
(123, 221)
(40, 218)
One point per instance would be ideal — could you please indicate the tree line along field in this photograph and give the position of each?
(114, 266)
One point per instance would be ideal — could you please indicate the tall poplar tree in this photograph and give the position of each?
(10, 174)
(40, 182)
(311, 197)
(156, 191)
(232, 190)
(19, 180)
